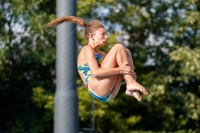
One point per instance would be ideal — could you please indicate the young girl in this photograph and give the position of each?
(103, 73)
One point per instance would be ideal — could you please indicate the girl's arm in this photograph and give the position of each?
(101, 72)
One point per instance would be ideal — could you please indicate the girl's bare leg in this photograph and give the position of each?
(130, 61)
(134, 93)
(116, 88)
(116, 57)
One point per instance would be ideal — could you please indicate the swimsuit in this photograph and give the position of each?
(85, 70)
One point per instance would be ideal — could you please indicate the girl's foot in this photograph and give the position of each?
(134, 93)
(135, 86)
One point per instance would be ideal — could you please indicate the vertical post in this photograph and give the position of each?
(66, 99)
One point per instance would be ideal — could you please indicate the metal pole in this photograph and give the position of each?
(66, 99)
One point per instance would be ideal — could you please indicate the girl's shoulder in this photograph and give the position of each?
(86, 50)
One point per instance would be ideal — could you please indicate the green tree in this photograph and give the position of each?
(27, 60)
(163, 37)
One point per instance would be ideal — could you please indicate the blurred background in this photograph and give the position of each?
(163, 36)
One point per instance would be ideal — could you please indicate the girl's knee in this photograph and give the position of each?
(119, 45)
(128, 51)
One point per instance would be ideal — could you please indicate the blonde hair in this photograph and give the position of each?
(89, 27)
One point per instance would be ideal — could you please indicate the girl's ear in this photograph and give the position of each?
(91, 36)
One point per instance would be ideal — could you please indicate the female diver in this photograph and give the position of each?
(103, 73)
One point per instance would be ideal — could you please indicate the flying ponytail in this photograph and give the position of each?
(72, 19)
(88, 27)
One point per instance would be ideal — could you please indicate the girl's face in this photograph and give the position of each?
(99, 37)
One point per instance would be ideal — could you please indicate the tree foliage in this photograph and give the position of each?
(163, 36)
(27, 61)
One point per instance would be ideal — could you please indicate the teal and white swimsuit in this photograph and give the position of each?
(85, 70)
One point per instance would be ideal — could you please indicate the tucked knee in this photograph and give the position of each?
(119, 46)
(128, 52)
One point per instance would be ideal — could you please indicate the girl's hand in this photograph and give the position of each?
(134, 75)
(126, 69)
